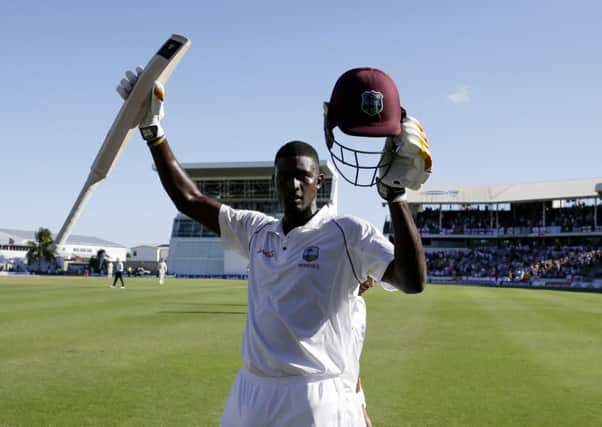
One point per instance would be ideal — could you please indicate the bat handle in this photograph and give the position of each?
(84, 195)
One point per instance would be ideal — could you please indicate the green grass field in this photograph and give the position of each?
(74, 352)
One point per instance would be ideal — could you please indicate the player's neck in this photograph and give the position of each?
(297, 219)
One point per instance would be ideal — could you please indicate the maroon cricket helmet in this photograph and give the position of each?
(364, 102)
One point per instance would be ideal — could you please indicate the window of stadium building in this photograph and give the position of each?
(261, 189)
(206, 232)
(239, 189)
(269, 208)
(236, 189)
(186, 228)
(211, 188)
(250, 189)
(13, 247)
(324, 191)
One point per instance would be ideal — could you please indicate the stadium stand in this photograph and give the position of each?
(194, 250)
(538, 235)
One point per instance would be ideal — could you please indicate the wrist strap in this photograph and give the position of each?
(399, 198)
(152, 132)
(391, 194)
(156, 142)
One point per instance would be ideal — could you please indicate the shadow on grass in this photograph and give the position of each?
(201, 312)
(201, 304)
(206, 308)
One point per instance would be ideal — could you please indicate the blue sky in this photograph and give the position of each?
(508, 92)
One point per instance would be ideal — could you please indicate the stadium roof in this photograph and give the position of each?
(242, 169)
(506, 193)
(23, 236)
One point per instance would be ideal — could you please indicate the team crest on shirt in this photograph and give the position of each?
(311, 253)
(372, 102)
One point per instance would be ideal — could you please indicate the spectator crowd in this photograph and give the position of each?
(527, 218)
(517, 262)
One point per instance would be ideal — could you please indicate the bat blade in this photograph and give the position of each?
(160, 67)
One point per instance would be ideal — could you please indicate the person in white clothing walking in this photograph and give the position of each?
(109, 265)
(162, 267)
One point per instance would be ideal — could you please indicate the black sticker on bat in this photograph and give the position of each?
(169, 49)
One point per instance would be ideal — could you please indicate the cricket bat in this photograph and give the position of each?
(160, 67)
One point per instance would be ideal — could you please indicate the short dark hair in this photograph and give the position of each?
(298, 148)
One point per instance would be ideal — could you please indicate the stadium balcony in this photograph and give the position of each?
(520, 210)
(543, 234)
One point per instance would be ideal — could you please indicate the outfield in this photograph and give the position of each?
(74, 352)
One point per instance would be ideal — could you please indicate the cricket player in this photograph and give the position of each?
(118, 274)
(162, 271)
(109, 265)
(304, 273)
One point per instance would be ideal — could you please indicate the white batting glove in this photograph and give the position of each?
(125, 86)
(150, 126)
(406, 161)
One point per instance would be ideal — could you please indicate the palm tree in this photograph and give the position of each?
(93, 263)
(101, 255)
(41, 249)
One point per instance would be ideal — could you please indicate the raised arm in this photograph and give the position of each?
(410, 166)
(182, 190)
(407, 271)
(179, 186)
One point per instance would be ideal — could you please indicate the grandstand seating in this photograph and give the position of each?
(516, 262)
(547, 233)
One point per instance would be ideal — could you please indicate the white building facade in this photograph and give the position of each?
(14, 246)
(147, 257)
(148, 253)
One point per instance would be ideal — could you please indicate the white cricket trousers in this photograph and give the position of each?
(290, 402)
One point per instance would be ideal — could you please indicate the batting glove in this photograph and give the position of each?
(150, 125)
(406, 161)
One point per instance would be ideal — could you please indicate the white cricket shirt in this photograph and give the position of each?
(301, 288)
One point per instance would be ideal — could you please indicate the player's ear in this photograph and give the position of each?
(319, 180)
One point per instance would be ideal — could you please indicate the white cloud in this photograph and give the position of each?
(460, 95)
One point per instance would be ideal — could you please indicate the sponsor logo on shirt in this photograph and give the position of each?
(307, 265)
(265, 252)
(311, 253)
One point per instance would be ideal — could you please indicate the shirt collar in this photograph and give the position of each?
(324, 214)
